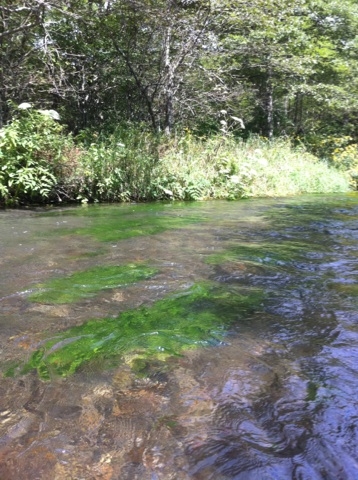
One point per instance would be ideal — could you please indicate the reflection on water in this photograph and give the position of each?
(273, 398)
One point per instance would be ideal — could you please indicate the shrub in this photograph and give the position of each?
(345, 158)
(30, 151)
(118, 167)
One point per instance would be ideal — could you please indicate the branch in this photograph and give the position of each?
(7, 33)
(138, 82)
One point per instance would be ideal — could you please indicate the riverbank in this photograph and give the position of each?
(40, 163)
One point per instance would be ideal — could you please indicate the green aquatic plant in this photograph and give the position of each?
(348, 289)
(312, 390)
(197, 317)
(302, 211)
(89, 282)
(115, 223)
(260, 253)
(112, 228)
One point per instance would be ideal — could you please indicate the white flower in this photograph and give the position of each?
(167, 192)
(235, 179)
(239, 120)
(262, 161)
(50, 113)
(24, 106)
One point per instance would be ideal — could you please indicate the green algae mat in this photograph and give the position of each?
(115, 223)
(87, 283)
(190, 319)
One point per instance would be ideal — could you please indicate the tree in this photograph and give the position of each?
(281, 65)
(19, 53)
(328, 98)
(283, 68)
(159, 43)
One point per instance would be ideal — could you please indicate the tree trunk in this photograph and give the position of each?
(269, 104)
(168, 84)
(297, 120)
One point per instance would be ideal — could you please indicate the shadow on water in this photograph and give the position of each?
(220, 346)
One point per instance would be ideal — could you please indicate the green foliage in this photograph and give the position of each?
(88, 283)
(30, 150)
(187, 320)
(340, 151)
(224, 167)
(39, 163)
(283, 67)
(117, 167)
(288, 67)
(346, 159)
(223, 69)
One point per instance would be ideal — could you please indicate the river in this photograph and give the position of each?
(199, 341)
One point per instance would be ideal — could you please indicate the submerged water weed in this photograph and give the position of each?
(348, 289)
(260, 253)
(111, 224)
(190, 319)
(301, 212)
(89, 282)
(113, 229)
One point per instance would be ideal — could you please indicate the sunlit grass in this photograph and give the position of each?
(221, 167)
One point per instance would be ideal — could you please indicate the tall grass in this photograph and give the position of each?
(114, 168)
(222, 167)
(135, 165)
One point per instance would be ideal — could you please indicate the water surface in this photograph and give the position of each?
(195, 341)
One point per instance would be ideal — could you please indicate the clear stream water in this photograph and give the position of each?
(172, 342)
